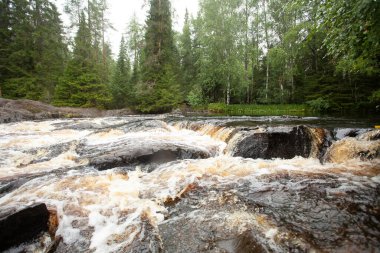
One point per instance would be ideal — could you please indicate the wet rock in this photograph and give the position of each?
(139, 125)
(279, 142)
(370, 136)
(364, 147)
(53, 222)
(9, 184)
(282, 212)
(244, 243)
(149, 239)
(54, 245)
(341, 133)
(23, 225)
(144, 154)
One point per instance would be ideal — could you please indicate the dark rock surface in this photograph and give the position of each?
(279, 142)
(123, 154)
(19, 110)
(23, 225)
(304, 214)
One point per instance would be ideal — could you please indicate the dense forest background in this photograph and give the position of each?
(323, 53)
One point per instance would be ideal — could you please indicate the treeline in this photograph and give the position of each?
(324, 53)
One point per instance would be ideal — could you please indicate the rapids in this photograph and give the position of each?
(161, 184)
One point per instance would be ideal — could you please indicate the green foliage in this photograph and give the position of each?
(319, 105)
(122, 90)
(258, 110)
(159, 47)
(135, 45)
(325, 53)
(159, 90)
(22, 87)
(352, 33)
(375, 97)
(187, 57)
(195, 98)
(217, 31)
(32, 49)
(160, 96)
(82, 84)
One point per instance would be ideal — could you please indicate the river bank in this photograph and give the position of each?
(20, 110)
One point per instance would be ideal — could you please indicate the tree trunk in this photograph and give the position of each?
(228, 90)
(103, 41)
(246, 61)
(267, 42)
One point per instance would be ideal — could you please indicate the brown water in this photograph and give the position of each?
(216, 204)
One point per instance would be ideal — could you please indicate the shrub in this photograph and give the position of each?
(319, 105)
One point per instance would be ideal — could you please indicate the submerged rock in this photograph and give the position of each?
(279, 142)
(364, 147)
(124, 155)
(23, 225)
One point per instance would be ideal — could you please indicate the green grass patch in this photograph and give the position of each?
(259, 110)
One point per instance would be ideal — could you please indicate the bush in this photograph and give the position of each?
(195, 98)
(319, 105)
(375, 97)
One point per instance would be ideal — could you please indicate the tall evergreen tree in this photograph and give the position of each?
(187, 56)
(5, 40)
(82, 84)
(159, 91)
(122, 90)
(34, 57)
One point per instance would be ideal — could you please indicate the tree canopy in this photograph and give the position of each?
(323, 53)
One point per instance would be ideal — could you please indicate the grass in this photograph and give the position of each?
(259, 110)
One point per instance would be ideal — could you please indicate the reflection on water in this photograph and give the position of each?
(216, 204)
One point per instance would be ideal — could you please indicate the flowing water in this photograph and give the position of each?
(156, 184)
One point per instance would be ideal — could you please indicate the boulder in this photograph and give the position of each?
(120, 156)
(279, 142)
(23, 225)
(23, 109)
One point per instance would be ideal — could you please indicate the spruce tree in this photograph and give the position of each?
(122, 90)
(159, 91)
(187, 56)
(82, 84)
(5, 39)
(33, 54)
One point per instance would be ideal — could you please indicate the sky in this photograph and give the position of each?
(121, 11)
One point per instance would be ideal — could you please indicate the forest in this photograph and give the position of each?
(324, 54)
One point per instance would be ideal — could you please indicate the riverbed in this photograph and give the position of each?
(176, 184)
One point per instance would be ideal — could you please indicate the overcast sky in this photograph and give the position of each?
(121, 11)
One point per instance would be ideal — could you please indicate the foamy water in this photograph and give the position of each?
(117, 210)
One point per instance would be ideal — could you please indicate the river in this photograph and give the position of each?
(175, 184)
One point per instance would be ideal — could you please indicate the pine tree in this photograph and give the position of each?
(159, 91)
(122, 90)
(5, 40)
(82, 84)
(34, 55)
